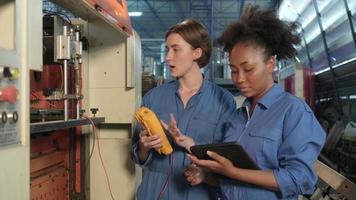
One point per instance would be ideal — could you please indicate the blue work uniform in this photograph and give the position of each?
(203, 119)
(282, 135)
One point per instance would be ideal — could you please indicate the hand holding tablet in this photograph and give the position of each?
(231, 150)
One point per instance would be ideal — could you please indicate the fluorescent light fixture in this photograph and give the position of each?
(322, 71)
(335, 66)
(297, 59)
(135, 14)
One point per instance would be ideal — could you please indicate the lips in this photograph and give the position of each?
(242, 89)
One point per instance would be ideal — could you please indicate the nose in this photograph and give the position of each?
(239, 78)
(168, 55)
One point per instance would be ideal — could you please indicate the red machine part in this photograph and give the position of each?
(9, 94)
(50, 77)
(309, 87)
(49, 166)
(114, 11)
(50, 186)
(50, 154)
(289, 84)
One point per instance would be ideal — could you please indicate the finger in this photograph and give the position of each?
(181, 138)
(216, 156)
(192, 158)
(193, 168)
(210, 164)
(173, 119)
(173, 123)
(157, 146)
(178, 131)
(173, 130)
(195, 160)
(155, 143)
(187, 173)
(194, 182)
(144, 133)
(190, 178)
(151, 138)
(164, 125)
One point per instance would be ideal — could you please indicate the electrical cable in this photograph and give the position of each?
(60, 14)
(90, 155)
(170, 170)
(101, 158)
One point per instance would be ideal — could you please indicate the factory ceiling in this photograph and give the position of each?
(158, 15)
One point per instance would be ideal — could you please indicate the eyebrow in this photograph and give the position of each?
(244, 62)
(231, 65)
(173, 46)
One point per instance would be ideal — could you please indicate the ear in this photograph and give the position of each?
(197, 53)
(271, 64)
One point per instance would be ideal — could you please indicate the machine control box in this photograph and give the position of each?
(9, 106)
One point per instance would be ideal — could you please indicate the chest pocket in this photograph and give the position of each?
(270, 139)
(202, 130)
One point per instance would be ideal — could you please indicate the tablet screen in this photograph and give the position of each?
(232, 151)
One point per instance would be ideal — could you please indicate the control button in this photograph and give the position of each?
(12, 73)
(3, 117)
(9, 94)
(13, 117)
(15, 73)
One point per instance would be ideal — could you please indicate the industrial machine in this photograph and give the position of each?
(65, 78)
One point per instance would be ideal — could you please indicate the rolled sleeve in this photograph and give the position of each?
(135, 157)
(228, 187)
(297, 154)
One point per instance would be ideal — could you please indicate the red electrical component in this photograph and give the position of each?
(9, 94)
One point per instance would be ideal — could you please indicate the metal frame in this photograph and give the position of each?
(349, 17)
(337, 181)
(41, 127)
(159, 15)
(333, 75)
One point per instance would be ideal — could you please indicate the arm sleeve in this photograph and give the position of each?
(227, 111)
(302, 142)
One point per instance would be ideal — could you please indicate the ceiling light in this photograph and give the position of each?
(135, 14)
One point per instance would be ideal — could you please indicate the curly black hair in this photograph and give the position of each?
(264, 29)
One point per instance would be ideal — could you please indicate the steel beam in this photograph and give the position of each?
(179, 8)
(333, 75)
(155, 14)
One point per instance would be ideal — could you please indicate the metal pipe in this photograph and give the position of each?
(77, 62)
(65, 66)
(77, 86)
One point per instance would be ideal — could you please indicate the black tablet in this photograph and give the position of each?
(231, 150)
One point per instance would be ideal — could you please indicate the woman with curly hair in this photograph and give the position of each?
(278, 130)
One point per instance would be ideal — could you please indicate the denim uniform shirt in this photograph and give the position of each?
(203, 120)
(282, 135)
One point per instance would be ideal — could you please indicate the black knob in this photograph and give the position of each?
(13, 117)
(94, 111)
(7, 72)
(3, 117)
